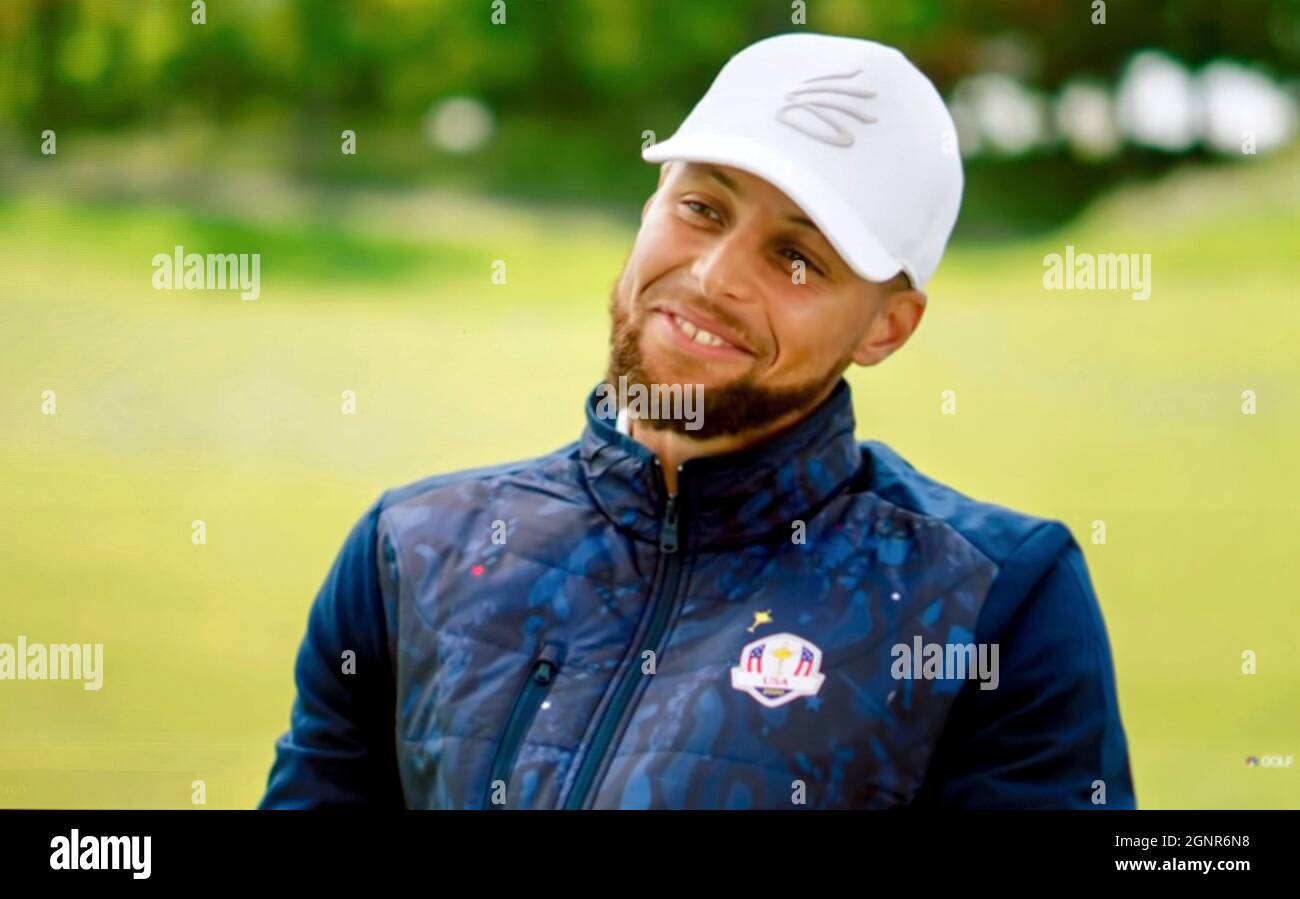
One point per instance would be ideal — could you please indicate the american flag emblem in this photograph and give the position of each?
(754, 661)
(805, 665)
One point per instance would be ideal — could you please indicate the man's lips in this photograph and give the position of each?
(701, 331)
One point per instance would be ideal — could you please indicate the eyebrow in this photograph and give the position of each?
(726, 181)
(730, 183)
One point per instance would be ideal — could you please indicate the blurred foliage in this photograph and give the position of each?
(572, 84)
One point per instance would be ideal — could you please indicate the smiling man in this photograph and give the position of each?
(744, 609)
(731, 286)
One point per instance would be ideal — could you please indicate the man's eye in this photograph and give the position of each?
(703, 209)
(796, 256)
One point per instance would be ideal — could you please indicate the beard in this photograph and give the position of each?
(735, 407)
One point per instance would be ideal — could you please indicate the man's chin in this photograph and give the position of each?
(677, 377)
(671, 369)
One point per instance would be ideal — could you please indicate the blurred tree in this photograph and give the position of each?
(571, 84)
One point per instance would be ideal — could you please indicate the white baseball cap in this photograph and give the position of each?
(849, 130)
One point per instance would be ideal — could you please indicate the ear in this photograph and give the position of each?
(899, 315)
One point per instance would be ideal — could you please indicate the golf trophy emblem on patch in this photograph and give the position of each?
(779, 669)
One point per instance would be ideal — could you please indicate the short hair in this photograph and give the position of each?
(900, 281)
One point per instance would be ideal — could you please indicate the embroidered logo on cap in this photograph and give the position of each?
(817, 96)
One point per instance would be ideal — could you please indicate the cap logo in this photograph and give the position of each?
(815, 99)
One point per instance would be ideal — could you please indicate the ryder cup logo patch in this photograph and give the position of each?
(779, 669)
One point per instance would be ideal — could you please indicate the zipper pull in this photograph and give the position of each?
(668, 530)
(543, 673)
(548, 662)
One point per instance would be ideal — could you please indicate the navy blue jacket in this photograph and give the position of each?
(799, 627)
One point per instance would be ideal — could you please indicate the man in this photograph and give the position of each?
(741, 607)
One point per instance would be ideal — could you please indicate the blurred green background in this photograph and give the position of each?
(520, 142)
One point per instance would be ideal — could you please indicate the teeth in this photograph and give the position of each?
(699, 335)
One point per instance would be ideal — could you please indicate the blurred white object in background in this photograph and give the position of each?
(1158, 104)
(1238, 101)
(1085, 117)
(458, 125)
(1009, 117)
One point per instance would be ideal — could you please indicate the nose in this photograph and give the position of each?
(724, 268)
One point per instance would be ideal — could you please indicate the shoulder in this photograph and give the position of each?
(447, 502)
(1022, 545)
(559, 464)
(1042, 597)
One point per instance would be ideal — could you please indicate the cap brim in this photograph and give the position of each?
(857, 246)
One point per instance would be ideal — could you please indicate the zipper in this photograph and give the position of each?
(540, 677)
(661, 610)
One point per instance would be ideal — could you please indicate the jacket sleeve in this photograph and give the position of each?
(339, 750)
(1049, 735)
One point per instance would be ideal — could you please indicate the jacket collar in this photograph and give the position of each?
(730, 498)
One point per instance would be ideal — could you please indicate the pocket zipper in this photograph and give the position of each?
(541, 674)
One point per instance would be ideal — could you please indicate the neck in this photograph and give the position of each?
(674, 448)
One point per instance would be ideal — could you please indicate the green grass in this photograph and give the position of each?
(175, 406)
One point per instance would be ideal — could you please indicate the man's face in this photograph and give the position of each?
(709, 295)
